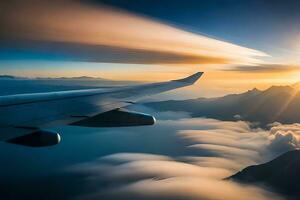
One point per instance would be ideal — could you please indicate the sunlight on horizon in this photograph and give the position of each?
(154, 50)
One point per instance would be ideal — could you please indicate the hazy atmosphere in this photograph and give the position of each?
(233, 134)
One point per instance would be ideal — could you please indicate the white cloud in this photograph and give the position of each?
(284, 137)
(215, 150)
(187, 188)
(125, 157)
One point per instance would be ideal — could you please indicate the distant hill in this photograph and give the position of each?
(73, 78)
(19, 85)
(277, 103)
(281, 174)
(51, 78)
(7, 77)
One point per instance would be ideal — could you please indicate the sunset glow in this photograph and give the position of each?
(158, 51)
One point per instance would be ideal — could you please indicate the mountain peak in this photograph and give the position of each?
(254, 90)
(279, 89)
(282, 173)
(276, 87)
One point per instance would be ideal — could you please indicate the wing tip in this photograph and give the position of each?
(192, 78)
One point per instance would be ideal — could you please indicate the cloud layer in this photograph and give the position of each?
(265, 68)
(214, 150)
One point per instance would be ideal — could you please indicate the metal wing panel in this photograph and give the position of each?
(50, 108)
(49, 113)
(139, 91)
(12, 132)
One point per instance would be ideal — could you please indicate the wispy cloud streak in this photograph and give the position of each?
(97, 27)
(265, 68)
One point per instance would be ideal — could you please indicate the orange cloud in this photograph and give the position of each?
(68, 22)
(266, 68)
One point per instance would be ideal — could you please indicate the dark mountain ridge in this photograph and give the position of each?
(7, 77)
(277, 103)
(53, 78)
(281, 174)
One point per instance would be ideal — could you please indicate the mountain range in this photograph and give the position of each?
(16, 85)
(7, 77)
(281, 174)
(277, 103)
(50, 78)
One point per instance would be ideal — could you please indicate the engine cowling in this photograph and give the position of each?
(39, 138)
(117, 118)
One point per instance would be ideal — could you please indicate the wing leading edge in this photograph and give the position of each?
(13, 100)
(39, 110)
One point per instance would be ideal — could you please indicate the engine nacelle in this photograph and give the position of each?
(39, 138)
(117, 118)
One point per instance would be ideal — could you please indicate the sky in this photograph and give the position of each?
(238, 44)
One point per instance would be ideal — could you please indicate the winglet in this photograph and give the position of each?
(191, 79)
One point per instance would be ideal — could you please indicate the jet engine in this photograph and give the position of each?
(117, 118)
(39, 138)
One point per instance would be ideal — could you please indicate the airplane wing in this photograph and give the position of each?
(25, 118)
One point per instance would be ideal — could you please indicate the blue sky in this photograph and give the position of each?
(146, 40)
(259, 24)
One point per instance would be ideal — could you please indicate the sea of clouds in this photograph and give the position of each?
(213, 150)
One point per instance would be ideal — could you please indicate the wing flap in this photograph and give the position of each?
(8, 133)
